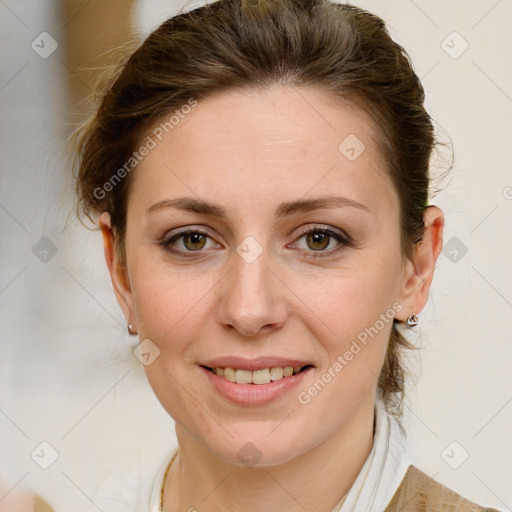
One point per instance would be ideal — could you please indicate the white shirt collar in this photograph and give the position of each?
(379, 478)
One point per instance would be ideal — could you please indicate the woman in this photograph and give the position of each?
(260, 175)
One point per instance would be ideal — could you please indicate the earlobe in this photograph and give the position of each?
(419, 271)
(118, 273)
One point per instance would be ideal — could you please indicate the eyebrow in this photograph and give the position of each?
(191, 204)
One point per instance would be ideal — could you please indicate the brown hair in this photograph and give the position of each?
(338, 48)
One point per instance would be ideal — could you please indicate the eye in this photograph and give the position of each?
(319, 238)
(191, 240)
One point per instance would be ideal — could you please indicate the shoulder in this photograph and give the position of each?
(420, 493)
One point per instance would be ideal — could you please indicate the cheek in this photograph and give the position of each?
(169, 311)
(167, 301)
(354, 317)
(353, 301)
(359, 321)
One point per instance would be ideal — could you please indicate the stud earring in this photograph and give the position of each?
(412, 320)
(130, 329)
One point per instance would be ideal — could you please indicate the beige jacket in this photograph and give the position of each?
(420, 493)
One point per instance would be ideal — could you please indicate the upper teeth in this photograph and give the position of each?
(258, 376)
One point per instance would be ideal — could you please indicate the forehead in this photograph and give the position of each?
(245, 147)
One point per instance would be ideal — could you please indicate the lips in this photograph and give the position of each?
(254, 388)
(259, 363)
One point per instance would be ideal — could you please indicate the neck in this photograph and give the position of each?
(314, 481)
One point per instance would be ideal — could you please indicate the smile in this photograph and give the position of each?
(261, 376)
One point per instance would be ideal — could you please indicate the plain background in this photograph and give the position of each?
(67, 373)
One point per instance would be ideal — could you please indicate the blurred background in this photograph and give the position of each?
(79, 424)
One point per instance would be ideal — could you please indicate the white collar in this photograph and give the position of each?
(379, 478)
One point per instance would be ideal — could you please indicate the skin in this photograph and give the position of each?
(248, 152)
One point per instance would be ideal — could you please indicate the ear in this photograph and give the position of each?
(419, 269)
(118, 273)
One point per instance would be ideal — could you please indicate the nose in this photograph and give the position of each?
(253, 297)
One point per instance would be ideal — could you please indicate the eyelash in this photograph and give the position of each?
(343, 241)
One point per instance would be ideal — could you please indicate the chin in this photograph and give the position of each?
(258, 450)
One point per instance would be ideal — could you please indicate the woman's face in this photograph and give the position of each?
(264, 279)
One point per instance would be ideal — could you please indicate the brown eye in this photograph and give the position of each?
(194, 241)
(187, 242)
(317, 240)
